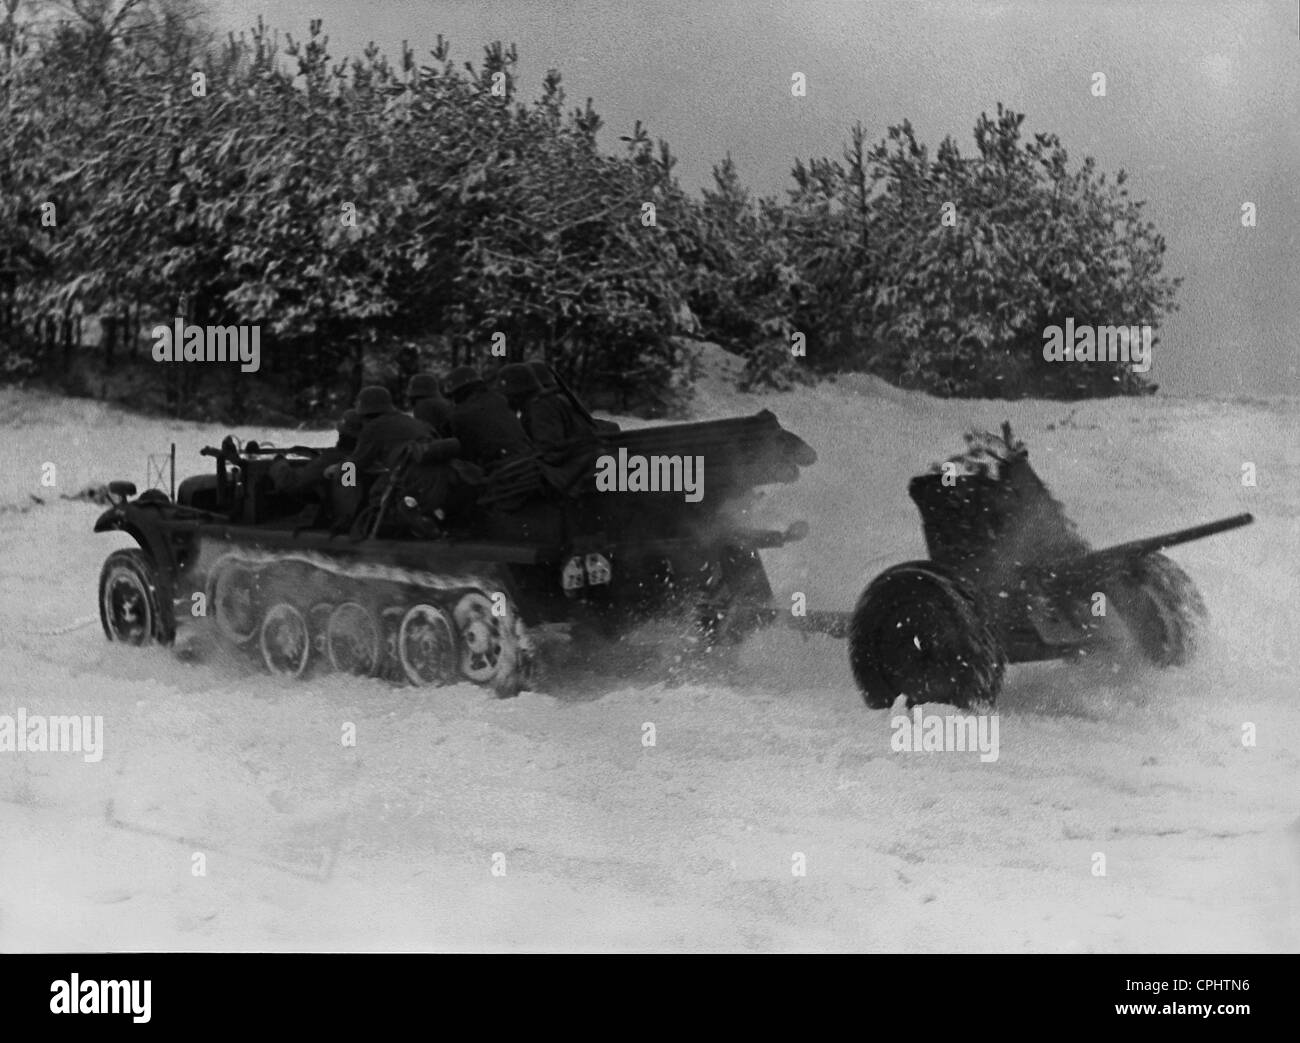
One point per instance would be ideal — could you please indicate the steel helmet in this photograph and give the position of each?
(350, 423)
(544, 374)
(422, 385)
(460, 378)
(517, 378)
(374, 400)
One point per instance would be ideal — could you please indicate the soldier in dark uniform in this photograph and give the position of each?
(438, 488)
(384, 431)
(565, 442)
(567, 445)
(520, 386)
(427, 403)
(488, 430)
(385, 434)
(550, 418)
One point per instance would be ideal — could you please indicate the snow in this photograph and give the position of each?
(688, 844)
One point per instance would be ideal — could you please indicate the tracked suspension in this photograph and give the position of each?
(303, 612)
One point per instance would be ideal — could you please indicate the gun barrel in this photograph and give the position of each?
(1138, 548)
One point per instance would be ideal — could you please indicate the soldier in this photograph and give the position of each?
(565, 439)
(384, 431)
(550, 418)
(427, 403)
(520, 386)
(488, 430)
(543, 372)
(438, 488)
(568, 444)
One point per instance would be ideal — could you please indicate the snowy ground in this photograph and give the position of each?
(689, 844)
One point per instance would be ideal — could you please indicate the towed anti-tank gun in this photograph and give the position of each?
(1010, 580)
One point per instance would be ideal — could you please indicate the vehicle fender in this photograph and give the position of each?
(111, 519)
(153, 543)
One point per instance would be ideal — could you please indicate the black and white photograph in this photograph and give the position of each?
(629, 477)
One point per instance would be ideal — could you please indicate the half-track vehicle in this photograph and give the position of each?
(276, 575)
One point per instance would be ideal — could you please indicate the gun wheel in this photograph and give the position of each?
(426, 646)
(285, 641)
(1162, 609)
(353, 640)
(919, 633)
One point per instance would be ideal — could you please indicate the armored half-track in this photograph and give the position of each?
(276, 576)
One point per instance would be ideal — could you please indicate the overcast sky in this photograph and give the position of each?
(1202, 110)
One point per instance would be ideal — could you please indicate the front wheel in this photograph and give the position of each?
(130, 606)
(918, 632)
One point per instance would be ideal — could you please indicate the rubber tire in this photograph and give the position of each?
(931, 609)
(1162, 609)
(163, 628)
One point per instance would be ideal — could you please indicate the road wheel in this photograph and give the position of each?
(354, 640)
(232, 599)
(426, 646)
(285, 641)
(488, 643)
